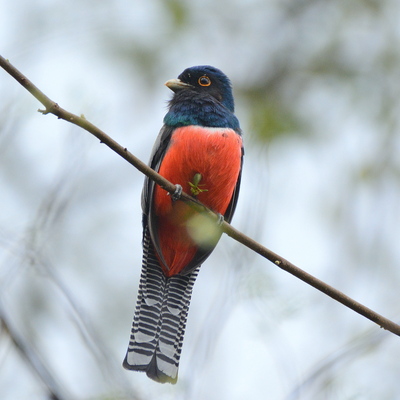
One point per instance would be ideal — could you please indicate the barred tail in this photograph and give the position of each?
(160, 319)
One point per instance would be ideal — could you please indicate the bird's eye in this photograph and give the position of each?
(204, 81)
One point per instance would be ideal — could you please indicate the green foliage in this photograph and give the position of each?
(270, 119)
(178, 11)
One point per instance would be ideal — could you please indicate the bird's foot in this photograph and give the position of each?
(221, 219)
(177, 194)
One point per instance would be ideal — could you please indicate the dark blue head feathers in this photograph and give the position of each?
(211, 81)
(202, 96)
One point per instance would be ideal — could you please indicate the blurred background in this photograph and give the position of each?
(317, 90)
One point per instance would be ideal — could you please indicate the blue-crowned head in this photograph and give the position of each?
(207, 80)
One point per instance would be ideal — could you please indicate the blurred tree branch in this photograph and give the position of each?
(27, 351)
(52, 107)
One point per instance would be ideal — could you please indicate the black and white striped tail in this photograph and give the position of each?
(160, 319)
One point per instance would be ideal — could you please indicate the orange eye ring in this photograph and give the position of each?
(204, 81)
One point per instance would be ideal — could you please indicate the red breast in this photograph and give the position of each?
(215, 153)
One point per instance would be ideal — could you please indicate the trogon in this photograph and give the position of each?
(200, 149)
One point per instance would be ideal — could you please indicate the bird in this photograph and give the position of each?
(200, 150)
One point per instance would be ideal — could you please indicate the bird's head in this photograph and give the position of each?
(205, 80)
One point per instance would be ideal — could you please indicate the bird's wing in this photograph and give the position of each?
(160, 146)
(232, 205)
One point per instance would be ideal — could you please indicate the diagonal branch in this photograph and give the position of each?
(53, 108)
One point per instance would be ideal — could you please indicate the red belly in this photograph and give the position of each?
(215, 153)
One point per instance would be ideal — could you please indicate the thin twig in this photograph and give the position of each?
(53, 108)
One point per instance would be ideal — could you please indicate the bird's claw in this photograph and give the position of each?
(221, 219)
(177, 194)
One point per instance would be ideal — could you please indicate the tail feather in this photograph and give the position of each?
(160, 319)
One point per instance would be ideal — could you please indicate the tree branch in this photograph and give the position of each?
(54, 108)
